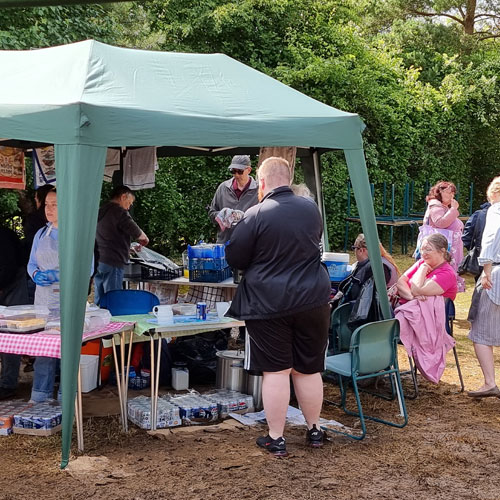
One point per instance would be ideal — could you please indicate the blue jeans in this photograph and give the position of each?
(107, 278)
(10, 370)
(44, 379)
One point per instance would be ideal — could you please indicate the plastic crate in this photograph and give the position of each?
(151, 273)
(207, 264)
(210, 276)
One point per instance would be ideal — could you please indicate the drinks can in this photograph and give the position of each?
(201, 310)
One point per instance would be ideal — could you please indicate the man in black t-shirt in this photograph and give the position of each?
(115, 231)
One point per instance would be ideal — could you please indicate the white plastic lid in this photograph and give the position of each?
(335, 257)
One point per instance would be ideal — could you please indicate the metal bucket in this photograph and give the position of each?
(254, 387)
(230, 372)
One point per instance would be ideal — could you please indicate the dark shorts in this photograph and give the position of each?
(296, 341)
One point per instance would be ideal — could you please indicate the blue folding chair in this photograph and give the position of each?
(121, 302)
(372, 353)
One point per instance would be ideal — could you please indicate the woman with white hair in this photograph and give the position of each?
(485, 308)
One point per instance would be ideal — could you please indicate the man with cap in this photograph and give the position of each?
(238, 193)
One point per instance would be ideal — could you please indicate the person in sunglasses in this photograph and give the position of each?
(238, 193)
(362, 270)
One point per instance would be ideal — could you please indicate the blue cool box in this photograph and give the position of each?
(336, 264)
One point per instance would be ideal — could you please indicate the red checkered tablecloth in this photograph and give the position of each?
(48, 343)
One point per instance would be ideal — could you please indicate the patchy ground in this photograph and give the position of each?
(449, 449)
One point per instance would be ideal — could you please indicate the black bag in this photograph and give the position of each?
(470, 264)
(199, 352)
(367, 306)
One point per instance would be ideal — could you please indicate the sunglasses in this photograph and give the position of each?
(238, 172)
(354, 247)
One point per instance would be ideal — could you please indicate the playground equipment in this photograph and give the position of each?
(406, 213)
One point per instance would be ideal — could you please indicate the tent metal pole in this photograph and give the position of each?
(321, 203)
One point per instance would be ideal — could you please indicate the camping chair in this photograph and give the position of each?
(372, 352)
(340, 333)
(120, 302)
(449, 310)
(123, 302)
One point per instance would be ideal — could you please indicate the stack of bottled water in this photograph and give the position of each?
(139, 412)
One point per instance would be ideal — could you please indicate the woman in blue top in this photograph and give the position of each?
(43, 267)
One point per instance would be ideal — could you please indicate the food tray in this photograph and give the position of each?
(152, 273)
(210, 276)
(24, 331)
(22, 323)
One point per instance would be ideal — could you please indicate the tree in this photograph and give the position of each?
(28, 28)
(478, 18)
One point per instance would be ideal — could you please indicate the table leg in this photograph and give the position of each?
(118, 382)
(125, 388)
(79, 413)
(153, 383)
(157, 381)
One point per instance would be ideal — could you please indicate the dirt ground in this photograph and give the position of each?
(449, 449)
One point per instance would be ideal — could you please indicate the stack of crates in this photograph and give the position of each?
(207, 262)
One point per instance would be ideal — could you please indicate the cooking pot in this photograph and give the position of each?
(254, 387)
(230, 372)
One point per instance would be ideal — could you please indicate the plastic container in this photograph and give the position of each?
(92, 348)
(337, 265)
(180, 379)
(88, 372)
(185, 263)
(206, 251)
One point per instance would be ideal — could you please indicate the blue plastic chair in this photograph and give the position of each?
(122, 302)
(372, 353)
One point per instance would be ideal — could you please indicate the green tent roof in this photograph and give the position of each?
(95, 94)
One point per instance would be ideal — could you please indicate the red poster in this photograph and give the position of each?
(12, 173)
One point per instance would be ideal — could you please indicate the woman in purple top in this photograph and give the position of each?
(442, 213)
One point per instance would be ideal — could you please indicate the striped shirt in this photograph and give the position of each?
(490, 249)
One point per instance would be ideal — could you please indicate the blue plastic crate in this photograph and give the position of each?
(210, 276)
(207, 264)
(206, 251)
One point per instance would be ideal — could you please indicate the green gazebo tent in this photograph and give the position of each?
(87, 96)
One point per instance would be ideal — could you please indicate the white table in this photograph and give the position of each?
(145, 330)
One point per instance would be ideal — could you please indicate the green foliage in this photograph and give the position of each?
(429, 95)
(174, 214)
(27, 28)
